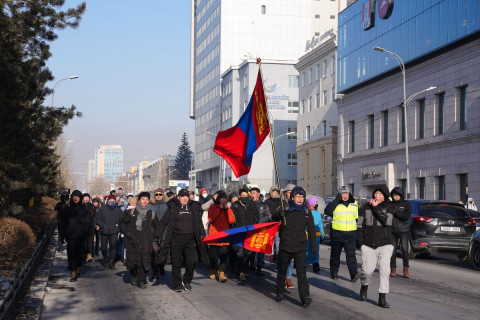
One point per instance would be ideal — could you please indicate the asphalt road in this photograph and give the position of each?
(439, 288)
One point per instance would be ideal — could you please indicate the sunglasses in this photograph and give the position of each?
(158, 194)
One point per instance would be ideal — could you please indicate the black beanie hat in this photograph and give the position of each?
(297, 190)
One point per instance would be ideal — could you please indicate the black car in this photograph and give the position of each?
(441, 227)
(475, 250)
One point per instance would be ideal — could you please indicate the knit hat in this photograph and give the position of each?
(289, 187)
(297, 190)
(183, 193)
(77, 193)
(312, 201)
(159, 190)
(343, 189)
(86, 195)
(203, 189)
(112, 197)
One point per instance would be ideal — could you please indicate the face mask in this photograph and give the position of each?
(204, 195)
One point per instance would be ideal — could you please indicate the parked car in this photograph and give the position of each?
(475, 215)
(474, 251)
(441, 227)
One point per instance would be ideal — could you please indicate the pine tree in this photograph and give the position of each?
(183, 161)
(29, 163)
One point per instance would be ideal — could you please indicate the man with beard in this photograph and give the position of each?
(107, 222)
(182, 223)
(246, 213)
(137, 225)
(76, 228)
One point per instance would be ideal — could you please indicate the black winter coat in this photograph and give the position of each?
(274, 204)
(264, 210)
(375, 225)
(292, 234)
(77, 221)
(138, 244)
(108, 219)
(246, 212)
(167, 225)
(402, 211)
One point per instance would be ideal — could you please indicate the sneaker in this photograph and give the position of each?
(306, 302)
(179, 289)
(280, 297)
(188, 287)
(289, 284)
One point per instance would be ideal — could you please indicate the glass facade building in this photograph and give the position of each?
(413, 29)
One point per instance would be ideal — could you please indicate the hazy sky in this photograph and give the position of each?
(133, 62)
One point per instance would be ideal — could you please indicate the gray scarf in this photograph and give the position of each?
(142, 214)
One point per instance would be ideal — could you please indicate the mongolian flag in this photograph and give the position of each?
(256, 237)
(237, 144)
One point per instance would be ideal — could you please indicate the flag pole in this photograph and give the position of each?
(259, 62)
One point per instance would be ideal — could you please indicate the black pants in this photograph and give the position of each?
(139, 272)
(183, 249)
(284, 259)
(111, 241)
(75, 253)
(90, 240)
(222, 253)
(97, 241)
(240, 256)
(404, 238)
(336, 247)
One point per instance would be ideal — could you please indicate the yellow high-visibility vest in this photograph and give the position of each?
(345, 218)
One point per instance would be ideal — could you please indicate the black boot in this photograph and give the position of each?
(259, 271)
(363, 293)
(316, 267)
(105, 261)
(111, 265)
(382, 302)
(133, 276)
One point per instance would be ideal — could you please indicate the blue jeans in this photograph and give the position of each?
(290, 270)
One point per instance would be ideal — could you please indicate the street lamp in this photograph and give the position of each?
(61, 80)
(405, 103)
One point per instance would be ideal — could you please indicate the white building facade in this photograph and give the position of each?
(226, 32)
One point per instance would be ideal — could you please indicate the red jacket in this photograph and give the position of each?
(220, 219)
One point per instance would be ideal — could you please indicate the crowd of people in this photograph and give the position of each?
(145, 234)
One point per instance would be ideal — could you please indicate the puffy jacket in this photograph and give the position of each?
(264, 211)
(220, 219)
(108, 219)
(375, 224)
(292, 234)
(402, 211)
(77, 222)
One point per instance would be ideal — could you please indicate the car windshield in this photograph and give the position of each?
(443, 211)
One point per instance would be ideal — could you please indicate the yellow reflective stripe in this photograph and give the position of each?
(344, 222)
(344, 212)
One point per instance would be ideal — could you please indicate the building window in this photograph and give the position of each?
(310, 76)
(292, 159)
(370, 131)
(303, 79)
(403, 183)
(333, 65)
(421, 119)
(324, 100)
(441, 187)
(351, 187)
(292, 133)
(332, 16)
(351, 136)
(318, 100)
(317, 72)
(462, 103)
(293, 81)
(310, 104)
(385, 127)
(303, 106)
(292, 106)
(463, 184)
(325, 68)
(307, 133)
(317, 16)
(421, 188)
(264, 9)
(440, 113)
(245, 81)
(324, 123)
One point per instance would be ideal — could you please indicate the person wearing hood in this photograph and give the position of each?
(245, 213)
(206, 200)
(401, 210)
(107, 222)
(317, 219)
(182, 223)
(344, 212)
(91, 236)
(76, 228)
(375, 238)
(137, 225)
(59, 212)
(471, 204)
(294, 222)
(97, 204)
(220, 217)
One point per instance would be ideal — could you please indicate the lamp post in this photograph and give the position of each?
(58, 82)
(405, 103)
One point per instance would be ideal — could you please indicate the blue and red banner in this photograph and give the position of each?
(256, 237)
(237, 144)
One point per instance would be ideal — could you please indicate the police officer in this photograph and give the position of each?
(344, 212)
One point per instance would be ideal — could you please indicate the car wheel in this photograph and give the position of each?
(475, 255)
(411, 253)
(463, 257)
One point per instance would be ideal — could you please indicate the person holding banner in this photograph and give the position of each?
(294, 222)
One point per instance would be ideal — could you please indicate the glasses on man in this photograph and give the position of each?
(159, 194)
